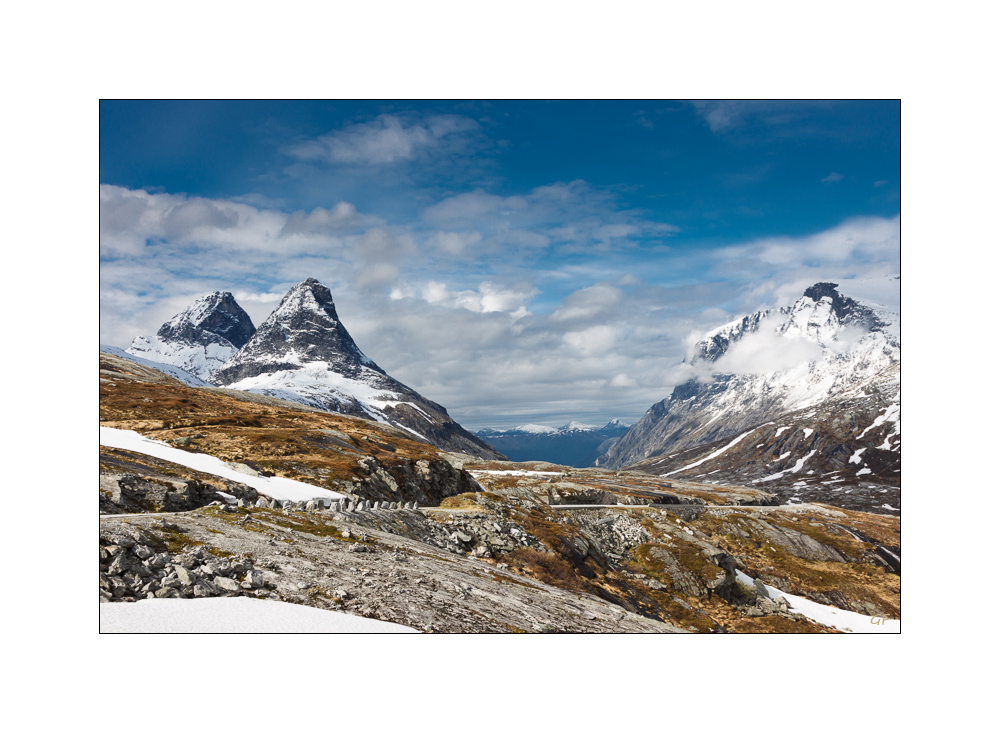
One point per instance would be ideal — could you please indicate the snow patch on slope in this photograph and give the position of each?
(828, 615)
(275, 486)
(710, 456)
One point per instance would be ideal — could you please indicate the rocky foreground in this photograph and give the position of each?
(493, 547)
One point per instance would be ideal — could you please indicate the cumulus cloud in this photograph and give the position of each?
(450, 304)
(389, 139)
(453, 243)
(488, 298)
(588, 303)
(130, 219)
(766, 351)
(833, 178)
(572, 214)
(778, 269)
(623, 380)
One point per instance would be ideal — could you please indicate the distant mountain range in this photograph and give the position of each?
(573, 444)
(301, 353)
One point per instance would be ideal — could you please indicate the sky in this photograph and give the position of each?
(515, 261)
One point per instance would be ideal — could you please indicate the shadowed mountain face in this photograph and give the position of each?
(303, 329)
(303, 353)
(813, 389)
(201, 338)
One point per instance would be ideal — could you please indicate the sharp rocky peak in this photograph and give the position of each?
(303, 329)
(843, 307)
(200, 338)
(310, 294)
(213, 318)
(819, 314)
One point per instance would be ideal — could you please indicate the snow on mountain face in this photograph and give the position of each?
(177, 373)
(201, 338)
(811, 355)
(304, 329)
(303, 353)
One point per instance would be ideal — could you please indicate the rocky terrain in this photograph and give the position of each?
(824, 426)
(494, 546)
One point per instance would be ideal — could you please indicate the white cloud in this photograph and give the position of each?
(450, 305)
(623, 380)
(388, 139)
(570, 214)
(488, 298)
(129, 219)
(594, 340)
(766, 351)
(833, 178)
(453, 243)
(778, 269)
(588, 303)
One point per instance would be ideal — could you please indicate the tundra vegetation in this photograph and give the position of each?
(494, 546)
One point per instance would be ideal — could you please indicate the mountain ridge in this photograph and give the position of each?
(827, 347)
(303, 353)
(572, 445)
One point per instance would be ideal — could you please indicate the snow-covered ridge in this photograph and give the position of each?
(534, 429)
(169, 369)
(530, 428)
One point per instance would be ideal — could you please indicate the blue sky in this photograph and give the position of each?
(515, 261)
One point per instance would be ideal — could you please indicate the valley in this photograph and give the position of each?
(492, 546)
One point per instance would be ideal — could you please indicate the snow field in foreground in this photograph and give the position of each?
(857, 623)
(237, 615)
(275, 487)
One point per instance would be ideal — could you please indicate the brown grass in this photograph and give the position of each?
(547, 567)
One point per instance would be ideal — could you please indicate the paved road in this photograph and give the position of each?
(673, 507)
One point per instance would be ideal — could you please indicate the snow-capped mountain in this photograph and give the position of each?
(574, 444)
(303, 353)
(807, 391)
(199, 339)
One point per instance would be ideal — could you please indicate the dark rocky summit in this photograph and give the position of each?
(216, 318)
(199, 339)
(304, 328)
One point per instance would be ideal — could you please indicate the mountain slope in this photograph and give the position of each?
(825, 368)
(199, 339)
(303, 353)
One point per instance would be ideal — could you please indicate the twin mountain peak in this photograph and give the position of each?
(301, 353)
